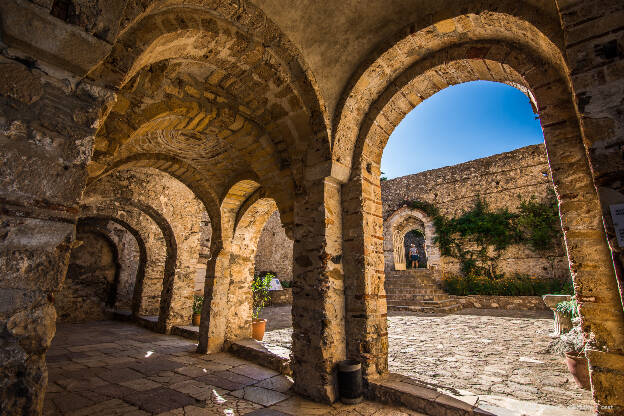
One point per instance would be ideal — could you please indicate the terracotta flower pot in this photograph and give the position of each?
(578, 366)
(196, 319)
(257, 329)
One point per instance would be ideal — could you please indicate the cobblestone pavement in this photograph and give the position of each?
(497, 355)
(112, 368)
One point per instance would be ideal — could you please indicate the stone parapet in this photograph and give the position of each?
(523, 303)
(281, 297)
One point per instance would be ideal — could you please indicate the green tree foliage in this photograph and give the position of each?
(198, 302)
(260, 290)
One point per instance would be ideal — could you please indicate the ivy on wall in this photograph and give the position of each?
(478, 237)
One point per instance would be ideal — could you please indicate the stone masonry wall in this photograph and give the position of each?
(89, 281)
(128, 252)
(275, 250)
(503, 180)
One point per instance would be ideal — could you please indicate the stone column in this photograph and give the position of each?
(318, 311)
(46, 141)
(367, 326)
(214, 311)
(594, 53)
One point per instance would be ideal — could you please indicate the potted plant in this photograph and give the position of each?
(260, 290)
(575, 357)
(198, 301)
(573, 344)
(565, 311)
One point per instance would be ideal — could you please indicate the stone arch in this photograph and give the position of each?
(95, 228)
(169, 266)
(243, 250)
(178, 212)
(198, 183)
(196, 135)
(244, 212)
(396, 226)
(166, 312)
(240, 21)
(143, 252)
(262, 81)
(380, 73)
(176, 168)
(231, 204)
(533, 63)
(90, 286)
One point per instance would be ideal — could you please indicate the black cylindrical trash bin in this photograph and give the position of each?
(350, 381)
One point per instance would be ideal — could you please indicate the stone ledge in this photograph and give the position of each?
(187, 331)
(551, 301)
(149, 322)
(254, 351)
(122, 315)
(397, 389)
(31, 28)
(522, 303)
(281, 297)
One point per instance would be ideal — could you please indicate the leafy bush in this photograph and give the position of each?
(286, 283)
(477, 238)
(260, 290)
(568, 307)
(516, 285)
(539, 223)
(198, 302)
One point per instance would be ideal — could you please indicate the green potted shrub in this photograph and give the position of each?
(260, 292)
(565, 311)
(572, 343)
(198, 302)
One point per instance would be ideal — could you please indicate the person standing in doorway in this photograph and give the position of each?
(413, 254)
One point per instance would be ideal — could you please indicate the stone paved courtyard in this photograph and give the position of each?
(498, 355)
(111, 368)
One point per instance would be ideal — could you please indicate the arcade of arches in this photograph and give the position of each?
(127, 125)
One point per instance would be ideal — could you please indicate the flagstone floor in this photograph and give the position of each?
(492, 355)
(111, 368)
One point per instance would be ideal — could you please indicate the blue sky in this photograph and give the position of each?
(458, 124)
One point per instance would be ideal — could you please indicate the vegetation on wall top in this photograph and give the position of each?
(478, 237)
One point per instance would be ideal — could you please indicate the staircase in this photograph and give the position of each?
(417, 290)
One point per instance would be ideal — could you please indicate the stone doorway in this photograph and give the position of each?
(417, 238)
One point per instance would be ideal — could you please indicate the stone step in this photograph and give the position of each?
(411, 291)
(425, 309)
(403, 286)
(422, 302)
(410, 280)
(417, 290)
(420, 297)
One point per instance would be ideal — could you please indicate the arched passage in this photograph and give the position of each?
(128, 252)
(398, 224)
(178, 212)
(90, 287)
(534, 66)
(226, 315)
(98, 220)
(244, 244)
(168, 277)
